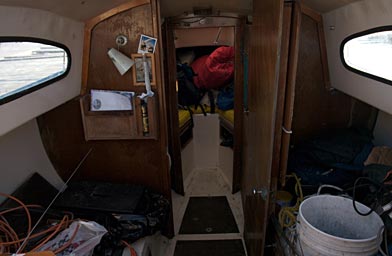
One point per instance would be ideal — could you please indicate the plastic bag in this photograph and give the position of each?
(86, 235)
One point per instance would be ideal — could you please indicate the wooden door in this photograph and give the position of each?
(289, 40)
(308, 86)
(238, 105)
(174, 142)
(259, 120)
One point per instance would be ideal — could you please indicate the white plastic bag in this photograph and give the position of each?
(87, 236)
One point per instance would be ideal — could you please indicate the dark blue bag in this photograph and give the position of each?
(225, 100)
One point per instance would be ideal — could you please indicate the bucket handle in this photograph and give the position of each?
(379, 237)
(328, 186)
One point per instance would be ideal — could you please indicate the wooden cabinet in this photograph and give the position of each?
(118, 125)
(133, 160)
(286, 49)
(290, 100)
(129, 20)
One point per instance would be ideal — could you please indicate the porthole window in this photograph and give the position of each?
(369, 53)
(28, 64)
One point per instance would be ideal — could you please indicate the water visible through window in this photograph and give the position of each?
(371, 54)
(24, 65)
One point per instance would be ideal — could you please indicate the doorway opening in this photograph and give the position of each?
(205, 139)
(205, 135)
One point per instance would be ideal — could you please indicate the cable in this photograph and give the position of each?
(131, 249)
(287, 214)
(386, 242)
(20, 207)
(51, 203)
(62, 224)
(65, 246)
(27, 215)
(376, 197)
(281, 233)
(31, 237)
(8, 230)
(12, 242)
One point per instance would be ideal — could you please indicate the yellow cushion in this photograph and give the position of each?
(183, 117)
(228, 115)
(198, 110)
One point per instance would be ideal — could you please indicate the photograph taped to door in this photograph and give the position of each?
(138, 69)
(147, 44)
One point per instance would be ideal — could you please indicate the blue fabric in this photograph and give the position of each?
(225, 100)
(335, 158)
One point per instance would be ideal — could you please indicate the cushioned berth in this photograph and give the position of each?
(185, 124)
(226, 119)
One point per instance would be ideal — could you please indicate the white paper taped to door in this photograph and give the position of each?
(107, 100)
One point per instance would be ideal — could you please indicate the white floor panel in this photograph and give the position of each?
(206, 141)
(204, 182)
(207, 170)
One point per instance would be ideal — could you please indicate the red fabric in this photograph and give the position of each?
(216, 70)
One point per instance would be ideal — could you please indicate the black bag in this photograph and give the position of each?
(188, 93)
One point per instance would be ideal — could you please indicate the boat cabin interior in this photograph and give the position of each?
(171, 128)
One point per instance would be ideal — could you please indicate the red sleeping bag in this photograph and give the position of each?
(216, 70)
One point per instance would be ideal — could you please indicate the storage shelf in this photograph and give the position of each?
(117, 125)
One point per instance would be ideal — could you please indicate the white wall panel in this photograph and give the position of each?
(354, 18)
(22, 154)
(16, 21)
(383, 130)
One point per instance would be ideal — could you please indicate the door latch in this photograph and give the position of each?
(262, 192)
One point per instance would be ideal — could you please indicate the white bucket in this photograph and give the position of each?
(328, 225)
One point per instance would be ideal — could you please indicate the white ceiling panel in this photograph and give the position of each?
(75, 9)
(84, 9)
(323, 6)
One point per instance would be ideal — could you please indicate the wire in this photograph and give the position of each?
(20, 207)
(386, 242)
(287, 214)
(376, 197)
(31, 237)
(67, 244)
(280, 232)
(63, 223)
(8, 230)
(27, 215)
(131, 249)
(51, 203)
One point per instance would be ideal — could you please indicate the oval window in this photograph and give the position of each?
(28, 64)
(369, 53)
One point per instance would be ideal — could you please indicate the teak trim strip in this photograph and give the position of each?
(290, 90)
(89, 26)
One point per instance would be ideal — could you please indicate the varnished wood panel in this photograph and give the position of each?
(102, 73)
(259, 122)
(290, 91)
(121, 125)
(90, 24)
(311, 107)
(284, 61)
(204, 36)
(142, 162)
(238, 106)
(316, 109)
(132, 162)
